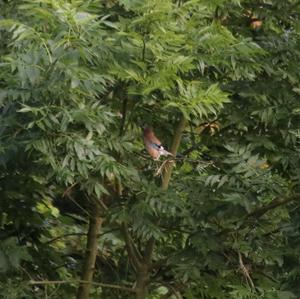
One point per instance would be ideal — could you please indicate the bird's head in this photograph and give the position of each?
(147, 131)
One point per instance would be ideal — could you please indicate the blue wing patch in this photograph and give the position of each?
(156, 146)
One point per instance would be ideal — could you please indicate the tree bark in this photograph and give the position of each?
(95, 223)
(142, 278)
(175, 145)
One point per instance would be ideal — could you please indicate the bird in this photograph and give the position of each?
(153, 145)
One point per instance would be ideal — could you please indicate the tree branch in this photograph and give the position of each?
(104, 285)
(271, 206)
(78, 234)
(175, 145)
(65, 235)
(133, 252)
(245, 271)
(149, 251)
(259, 212)
(144, 49)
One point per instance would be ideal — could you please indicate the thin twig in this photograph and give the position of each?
(66, 193)
(104, 285)
(167, 295)
(172, 291)
(26, 272)
(65, 235)
(245, 271)
(144, 49)
(103, 205)
(78, 234)
(124, 114)
(162, 166)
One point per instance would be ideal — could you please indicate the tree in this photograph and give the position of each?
(80, 78)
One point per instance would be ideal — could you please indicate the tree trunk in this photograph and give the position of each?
(142, 278)
(95, 223)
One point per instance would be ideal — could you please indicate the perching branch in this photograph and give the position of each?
(175, 145)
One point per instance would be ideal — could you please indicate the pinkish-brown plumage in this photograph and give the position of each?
(153, 144)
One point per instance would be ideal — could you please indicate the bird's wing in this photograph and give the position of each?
(156, 146)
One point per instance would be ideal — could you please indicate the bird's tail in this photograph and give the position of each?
(163, 152)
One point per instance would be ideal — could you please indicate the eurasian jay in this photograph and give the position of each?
(153, 145)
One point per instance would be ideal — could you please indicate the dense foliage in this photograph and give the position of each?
(78, 81)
